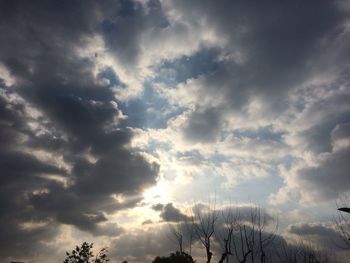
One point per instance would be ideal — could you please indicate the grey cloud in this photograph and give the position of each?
(279, 54)
(82, 126)
(12, 124)
(19, 166)
(109, 229)
(341, 132)
(191, 157)
(143, 245)
(169, 213)
(333, 111)
(37, 31)
(329, 179)
(20, 175)
(306, 229)
(65, 206)
(275, 45)
(78, 117)
(147, 222)
(24, 243)
(118, 172)
(245, 213)
(123, 27)
(323, 236)
(203, 125)
(158, 207)
(242, 213)
(47, 141)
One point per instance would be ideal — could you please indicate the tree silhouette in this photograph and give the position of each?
(245, 237)
(302, 252)
(203, 225)
(176, 257)
(84, 254)
(342, 222)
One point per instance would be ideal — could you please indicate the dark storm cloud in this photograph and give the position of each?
(306, 229)
(318, 138)
(276, 45)
(22, 243)
(278, 52)
(70, 163)
(125, 23)
(324, 236)
(39, 42)
(329, 179)
(17, 165)
(19, 175)
(26, 196)
(118, 172)
(169, 213)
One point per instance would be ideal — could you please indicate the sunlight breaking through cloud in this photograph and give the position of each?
(110, 109)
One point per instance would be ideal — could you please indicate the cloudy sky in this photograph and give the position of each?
(119, 115)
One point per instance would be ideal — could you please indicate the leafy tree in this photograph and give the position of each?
(175, 258)
(84, 254)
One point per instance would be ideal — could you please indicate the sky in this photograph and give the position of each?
(118, 116)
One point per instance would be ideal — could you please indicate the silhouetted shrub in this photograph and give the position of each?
(83, 254)
(175, 258)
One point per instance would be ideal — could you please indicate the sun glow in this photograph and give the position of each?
(159, 192)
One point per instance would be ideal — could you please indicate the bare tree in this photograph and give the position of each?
(177, 233)
(241, 242)
(203, 225)
(251, 236)
(181, 233)
(243, 236)
(287, 253)
(302, 252)
(265, 237)
(190, 234)
(225, 236)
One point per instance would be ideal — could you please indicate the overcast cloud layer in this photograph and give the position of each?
(101, 101)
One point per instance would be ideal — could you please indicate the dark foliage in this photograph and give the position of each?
(84, 254)
(175, 258)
